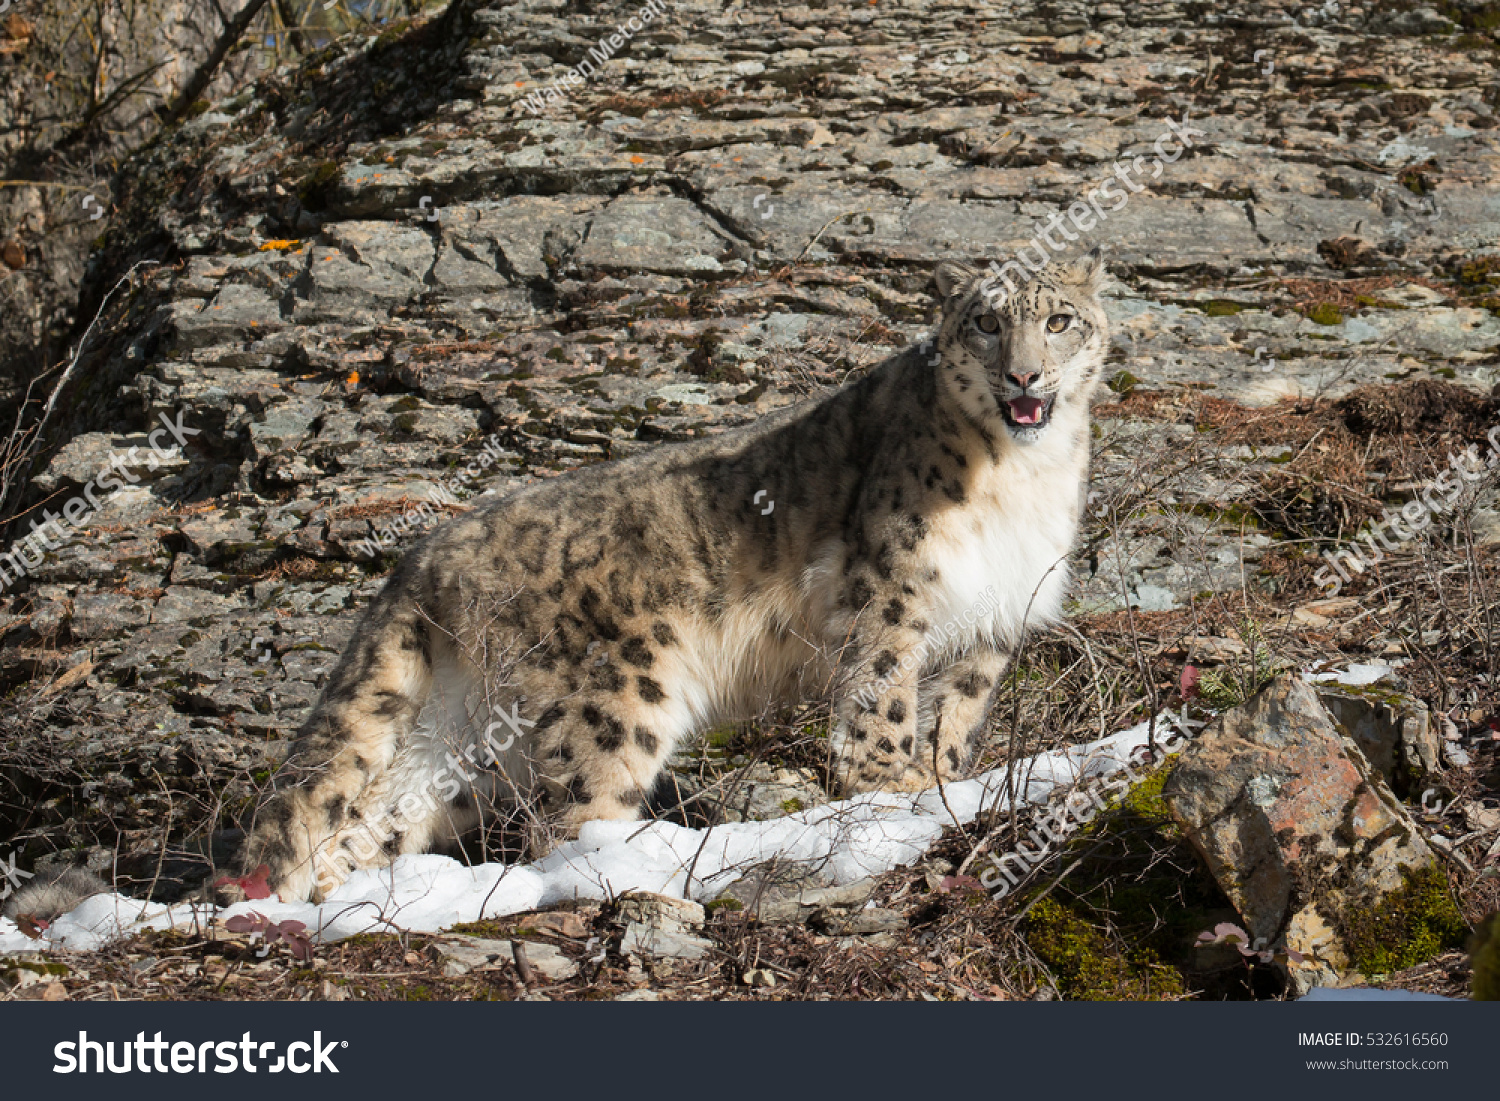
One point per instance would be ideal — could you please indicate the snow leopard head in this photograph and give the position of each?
(1023, 353)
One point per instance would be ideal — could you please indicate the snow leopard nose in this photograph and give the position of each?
(1023, 379)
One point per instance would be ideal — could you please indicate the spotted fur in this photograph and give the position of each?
(623, 607)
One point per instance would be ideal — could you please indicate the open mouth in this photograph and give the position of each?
(1027, 412)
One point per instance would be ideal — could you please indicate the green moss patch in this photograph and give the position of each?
(45, 968)
(1122, 923)
(1089, 965)
(490, 929)
(1325, 313)
(1415, 180)
(1413, 924)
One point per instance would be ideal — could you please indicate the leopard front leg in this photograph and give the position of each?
(874, 737)
(956, 703)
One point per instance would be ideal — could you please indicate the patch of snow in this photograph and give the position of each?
(1356, 676)
(101, 919)
(848, 840)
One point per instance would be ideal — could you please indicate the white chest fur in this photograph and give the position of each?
(1004, 552)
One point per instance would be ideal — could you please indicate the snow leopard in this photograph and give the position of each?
(578, 630)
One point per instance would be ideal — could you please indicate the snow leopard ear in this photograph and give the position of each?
(1088, 271)
(952, 278)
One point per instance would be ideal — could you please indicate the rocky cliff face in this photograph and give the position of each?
(73, 104)
(433, 237)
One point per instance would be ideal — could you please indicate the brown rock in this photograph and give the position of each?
(662, 911)
(1394, 732)
(559, 923)
(1298, 828)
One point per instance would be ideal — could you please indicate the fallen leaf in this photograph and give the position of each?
(245, 923)
(32, 927)
(70, 678)
(254, 885)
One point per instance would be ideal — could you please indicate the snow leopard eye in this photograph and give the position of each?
(1059, 322)
(988, 324)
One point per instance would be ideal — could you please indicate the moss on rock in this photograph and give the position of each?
(1089, 964)
(1326, 313)
(1122, 923)
(1413, 923)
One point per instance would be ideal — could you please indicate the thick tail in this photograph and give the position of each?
(49, 895)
